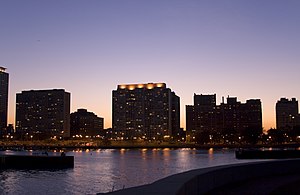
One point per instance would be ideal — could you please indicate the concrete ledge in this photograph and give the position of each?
(201, 181)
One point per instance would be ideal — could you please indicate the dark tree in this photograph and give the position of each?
(202, 137)
(251, 135)
(276, 136)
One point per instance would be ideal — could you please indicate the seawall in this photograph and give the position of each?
(201, 181)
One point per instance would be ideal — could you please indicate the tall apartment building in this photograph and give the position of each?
(146, 111)
(201, 117)
(84, 123)
(227, 119)
(4, 76)
(287, 114)
(43, 112)
(237, 117)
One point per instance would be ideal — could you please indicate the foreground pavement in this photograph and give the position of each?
(285, 184)
(264, 177)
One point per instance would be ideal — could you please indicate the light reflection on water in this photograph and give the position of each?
(104, 170)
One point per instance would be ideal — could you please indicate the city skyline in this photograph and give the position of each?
(134, 86)
(248, 50)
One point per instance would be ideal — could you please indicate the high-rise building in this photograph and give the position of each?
(44, 113)
(231, 119)
(201, 116)
(240, 118)
(176, 130)
(287, 114)
(84, 123)
(3, 98)
(145, 111)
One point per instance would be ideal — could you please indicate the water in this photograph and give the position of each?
(111, 169)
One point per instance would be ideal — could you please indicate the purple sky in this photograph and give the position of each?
(247, 49)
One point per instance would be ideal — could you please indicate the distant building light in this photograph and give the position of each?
(131, 87)
(160, 85)
(122, 86)
(150, 86)
(2, 69)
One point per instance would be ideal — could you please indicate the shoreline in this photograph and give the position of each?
(61, 146)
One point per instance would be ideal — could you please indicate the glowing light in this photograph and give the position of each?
(140, 85)
(122, 86)
(2, 69)
(159, 84)
(131, 87)
(150, 86)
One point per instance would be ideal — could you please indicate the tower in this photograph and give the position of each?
(43, 112)
(286, 113)
(145, 111)
(3, 98)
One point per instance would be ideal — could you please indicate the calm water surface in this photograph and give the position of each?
(110, 169)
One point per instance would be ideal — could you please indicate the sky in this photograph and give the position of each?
(241, 48)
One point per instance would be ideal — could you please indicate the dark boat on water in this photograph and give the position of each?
(266, 154)
(36, 162)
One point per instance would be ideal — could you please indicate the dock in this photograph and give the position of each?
(267, 154)
(36, 162)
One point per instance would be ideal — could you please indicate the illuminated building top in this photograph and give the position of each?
(139, 86)
(2, 69)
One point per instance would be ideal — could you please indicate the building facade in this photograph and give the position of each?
(84, 123)
(4, 77)
(43, 113)
(200, 117)
(145, 111)
(287, 114)
(227, 121)
(240, 119)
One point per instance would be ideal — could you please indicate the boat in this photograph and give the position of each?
(36, 162)
(266, 154)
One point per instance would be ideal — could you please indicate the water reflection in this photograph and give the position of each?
(211, 154)
(103, 170)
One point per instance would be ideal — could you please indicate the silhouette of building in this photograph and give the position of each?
(287, 114)
(200, 117)
(84, 123)
(210, 122)
(4, 76)
(243, 120)
(43, 113)
(145, 111)
(176, 130)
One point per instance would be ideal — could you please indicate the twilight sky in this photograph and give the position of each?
(241, 48)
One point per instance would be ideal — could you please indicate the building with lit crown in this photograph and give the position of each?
(43, 113)
(4, 77)
(145, 111)
(84, 123)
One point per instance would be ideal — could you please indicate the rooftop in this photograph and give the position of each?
(139, 86)
(2, 69)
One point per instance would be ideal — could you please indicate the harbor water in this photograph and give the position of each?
(105, 170)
